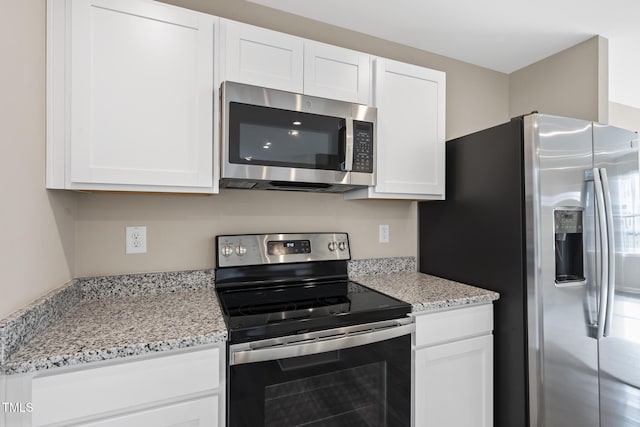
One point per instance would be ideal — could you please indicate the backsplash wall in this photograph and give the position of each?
(181, 228)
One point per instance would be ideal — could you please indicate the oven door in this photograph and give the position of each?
(353, 376)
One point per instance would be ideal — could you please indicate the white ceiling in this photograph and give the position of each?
(503, 35)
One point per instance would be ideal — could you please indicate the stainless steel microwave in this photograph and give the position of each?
(273, 139)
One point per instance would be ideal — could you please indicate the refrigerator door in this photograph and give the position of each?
(562, 306)
(616, 152)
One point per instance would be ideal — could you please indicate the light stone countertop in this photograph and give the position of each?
(102, 329)
(425, 292)
(121, 324)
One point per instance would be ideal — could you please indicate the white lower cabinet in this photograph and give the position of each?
(453, 368)
(193, 413)
(174, 388)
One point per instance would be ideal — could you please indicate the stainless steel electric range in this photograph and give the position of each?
(307, 346)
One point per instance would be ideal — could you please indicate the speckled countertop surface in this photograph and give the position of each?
(101, 329)
(425, 292)
(119, 316)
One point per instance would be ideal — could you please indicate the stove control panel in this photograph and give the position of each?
(260, 249)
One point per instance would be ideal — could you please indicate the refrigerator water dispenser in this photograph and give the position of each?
(569, 245)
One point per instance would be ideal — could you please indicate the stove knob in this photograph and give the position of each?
(226, 250)
(241, 250)
(332, 246)
(342, 246)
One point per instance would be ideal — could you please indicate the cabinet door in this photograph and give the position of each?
(336, 73)
(454, 384)
(262, 57)
(121, 385)
(411, 108)
(141, 96)
(410, 135)
(193, 413)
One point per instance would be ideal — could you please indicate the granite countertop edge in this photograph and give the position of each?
(458, 302)
(117, 352)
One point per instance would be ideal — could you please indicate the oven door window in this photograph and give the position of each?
(267, 136)
(368, 385)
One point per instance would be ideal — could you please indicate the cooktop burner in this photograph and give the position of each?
(260, 315)
(265, 296)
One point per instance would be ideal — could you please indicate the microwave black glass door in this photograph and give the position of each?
(267, 136)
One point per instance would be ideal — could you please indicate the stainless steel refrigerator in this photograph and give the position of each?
(546, 211)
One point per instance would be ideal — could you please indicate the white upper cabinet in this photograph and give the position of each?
(131, 90)
(267, 58)
(336, 73)
(261, 57)
(411, 133)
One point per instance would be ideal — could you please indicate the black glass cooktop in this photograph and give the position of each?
(272, 285)
(274, 310)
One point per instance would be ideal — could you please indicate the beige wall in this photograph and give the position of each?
(572, 83)
(37, 243)
(51, 236)
(181, 229)
(624, 116)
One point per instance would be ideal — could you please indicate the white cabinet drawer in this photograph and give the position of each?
(450, 325)
(193, 413)
(92, 391)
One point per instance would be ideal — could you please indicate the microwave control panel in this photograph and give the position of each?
(362, 147)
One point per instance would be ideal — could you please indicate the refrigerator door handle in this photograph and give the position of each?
(611, 287)
(603, 253)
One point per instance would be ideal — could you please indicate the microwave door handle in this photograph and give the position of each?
(348, 145)
(611, 244)
(603, 251)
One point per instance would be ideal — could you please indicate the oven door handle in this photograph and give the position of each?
(317, 342)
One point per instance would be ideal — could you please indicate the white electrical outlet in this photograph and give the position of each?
(136, 240)
(383, 233)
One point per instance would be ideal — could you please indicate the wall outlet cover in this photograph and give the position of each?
(383, 235)
(136, 240)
